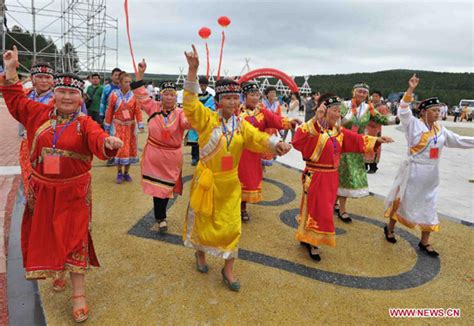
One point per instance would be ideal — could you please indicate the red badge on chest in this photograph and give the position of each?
(434, 153)
(165, 135)
(51, 164)
(126, 114)
(227, 163)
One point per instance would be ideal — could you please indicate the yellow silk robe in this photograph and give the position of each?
(213, 222)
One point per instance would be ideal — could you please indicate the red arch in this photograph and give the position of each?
(287, 80)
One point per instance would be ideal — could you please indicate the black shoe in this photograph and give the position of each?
(389, 239)
(245, 216)
(304, 244)
(336, 208)
(431, 253)
(346, 220)
(316, 257)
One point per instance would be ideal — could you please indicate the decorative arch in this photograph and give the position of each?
(287, 80)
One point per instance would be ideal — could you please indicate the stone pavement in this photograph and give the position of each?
(9, 182)
(456, 193)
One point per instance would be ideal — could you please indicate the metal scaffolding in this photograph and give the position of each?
(81, 31)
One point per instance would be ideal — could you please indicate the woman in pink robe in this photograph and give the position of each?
(162, 158)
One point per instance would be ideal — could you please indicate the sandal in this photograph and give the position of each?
(342, 217)
(163, 226)
(80, 314)
(424, 248)
(245, 216)
(59, 284)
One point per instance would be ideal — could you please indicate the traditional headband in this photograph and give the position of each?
(361, 85)
(428, 103)
(167, 86)
(42, 68)
(250, 87)
(227, 86)
(68, 80)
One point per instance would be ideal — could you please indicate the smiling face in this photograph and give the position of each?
(42, 82)
(360, 95)
(228, 103)
(68, 100)
(272, 96)
(252, 99)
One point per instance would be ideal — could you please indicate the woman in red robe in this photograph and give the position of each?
(321, 142)
(55, 234)
(250, 166)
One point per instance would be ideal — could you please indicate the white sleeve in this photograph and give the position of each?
(404, 114)
(456, 141)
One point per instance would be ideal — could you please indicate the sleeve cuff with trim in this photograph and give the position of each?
(192, 87)
(137, 84)
(272, 142)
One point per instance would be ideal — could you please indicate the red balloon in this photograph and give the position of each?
(204, 32)
(224, 21)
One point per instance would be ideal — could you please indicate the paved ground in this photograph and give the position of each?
(456, 195)
(149, 279)
(9, 180)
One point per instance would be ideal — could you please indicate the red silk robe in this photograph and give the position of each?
(250, 166)
(321, 149)
(55, 234)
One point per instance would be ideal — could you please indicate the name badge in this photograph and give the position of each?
(51, 164)
(434, 153)
(126, 114)
(337, 158)
(227, 163)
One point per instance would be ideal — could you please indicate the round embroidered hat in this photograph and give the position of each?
(42, 68)
(428, 103)
(168, 85)
(332, 101)
(227, 86)
(250, 87)
(68, 80)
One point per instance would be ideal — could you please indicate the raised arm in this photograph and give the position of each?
(148, 104)
(196, 113)
(19, 105)
(404, 112)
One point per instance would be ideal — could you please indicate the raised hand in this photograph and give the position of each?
(141, 69)
(282, 148)
(413, 82)
(10, 59)
(113, 143)
(193, 59)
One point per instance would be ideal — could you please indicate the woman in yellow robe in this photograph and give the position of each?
(213, 223)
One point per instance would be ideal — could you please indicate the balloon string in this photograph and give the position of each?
(129, 38)
(220, 58)
(208, 63)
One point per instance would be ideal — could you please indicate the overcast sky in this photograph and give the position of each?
(302, 37)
